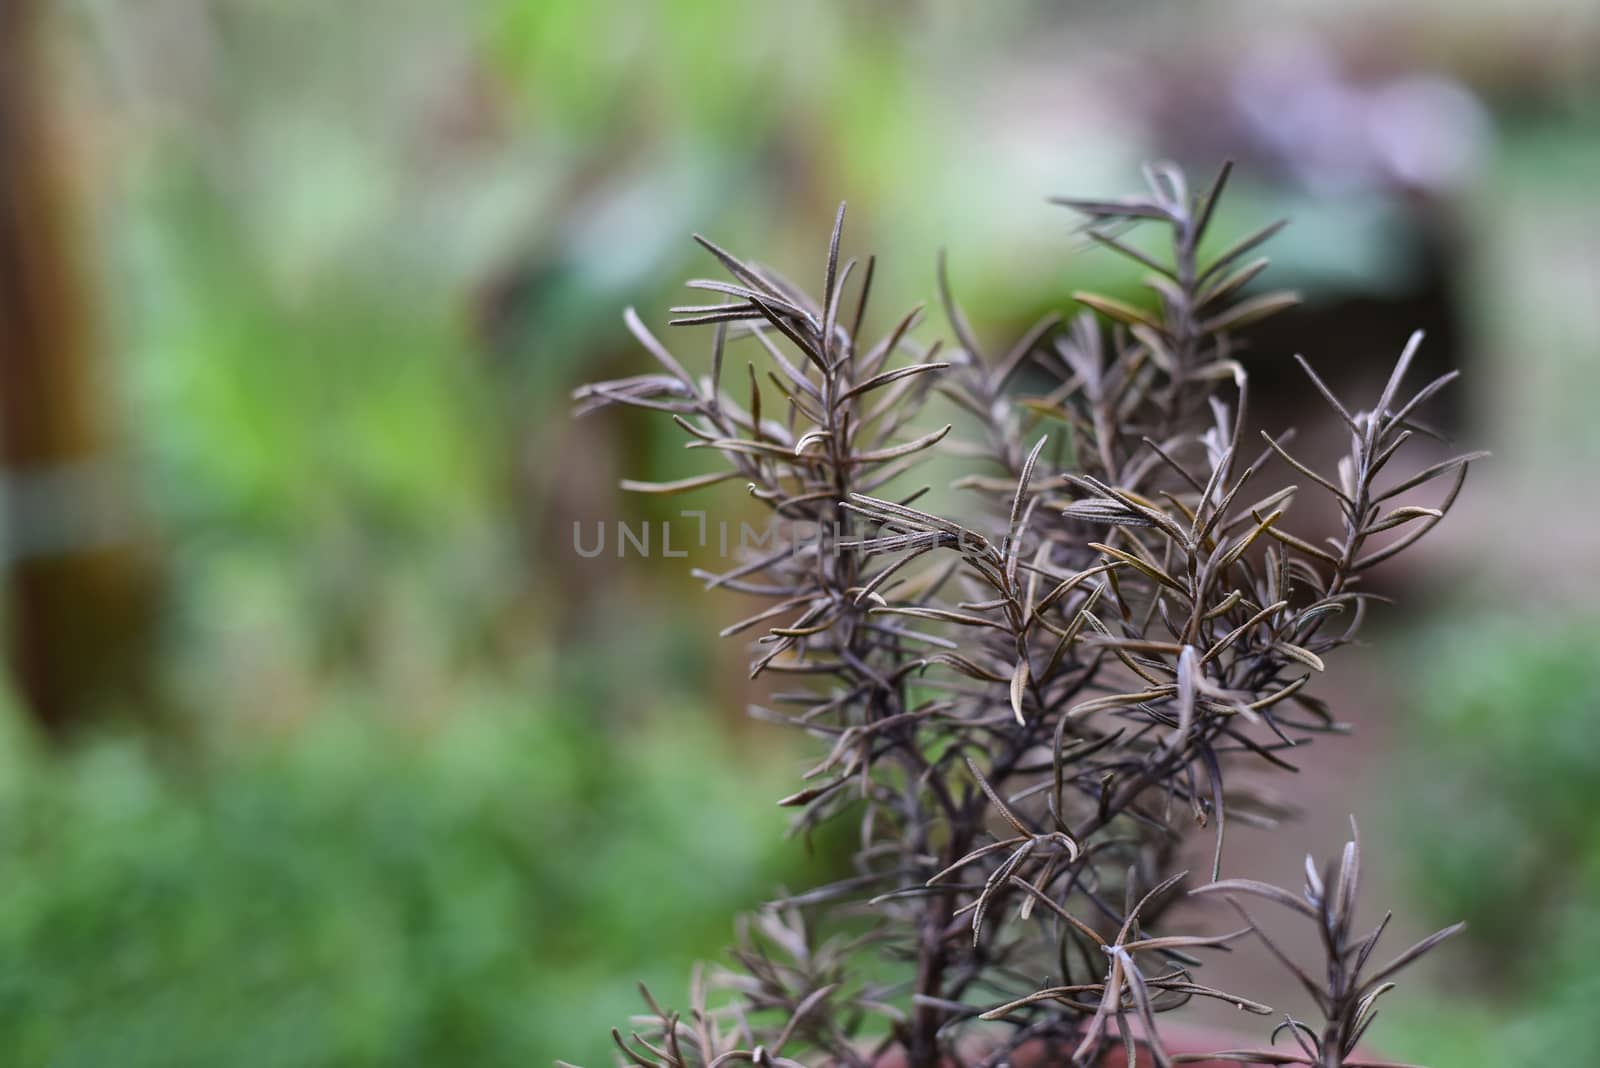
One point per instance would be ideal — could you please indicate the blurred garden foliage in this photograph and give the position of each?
(1509, 837)
(355, 893)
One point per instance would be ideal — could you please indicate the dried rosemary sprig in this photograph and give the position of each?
(1347, 995)
(1029, 707)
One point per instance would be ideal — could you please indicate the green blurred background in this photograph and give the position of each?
(322, 746)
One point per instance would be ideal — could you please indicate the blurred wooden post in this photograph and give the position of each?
(77, 592)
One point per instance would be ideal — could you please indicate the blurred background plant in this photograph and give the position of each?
(318, 750)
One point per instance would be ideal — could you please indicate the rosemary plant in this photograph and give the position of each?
(1029, 708)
